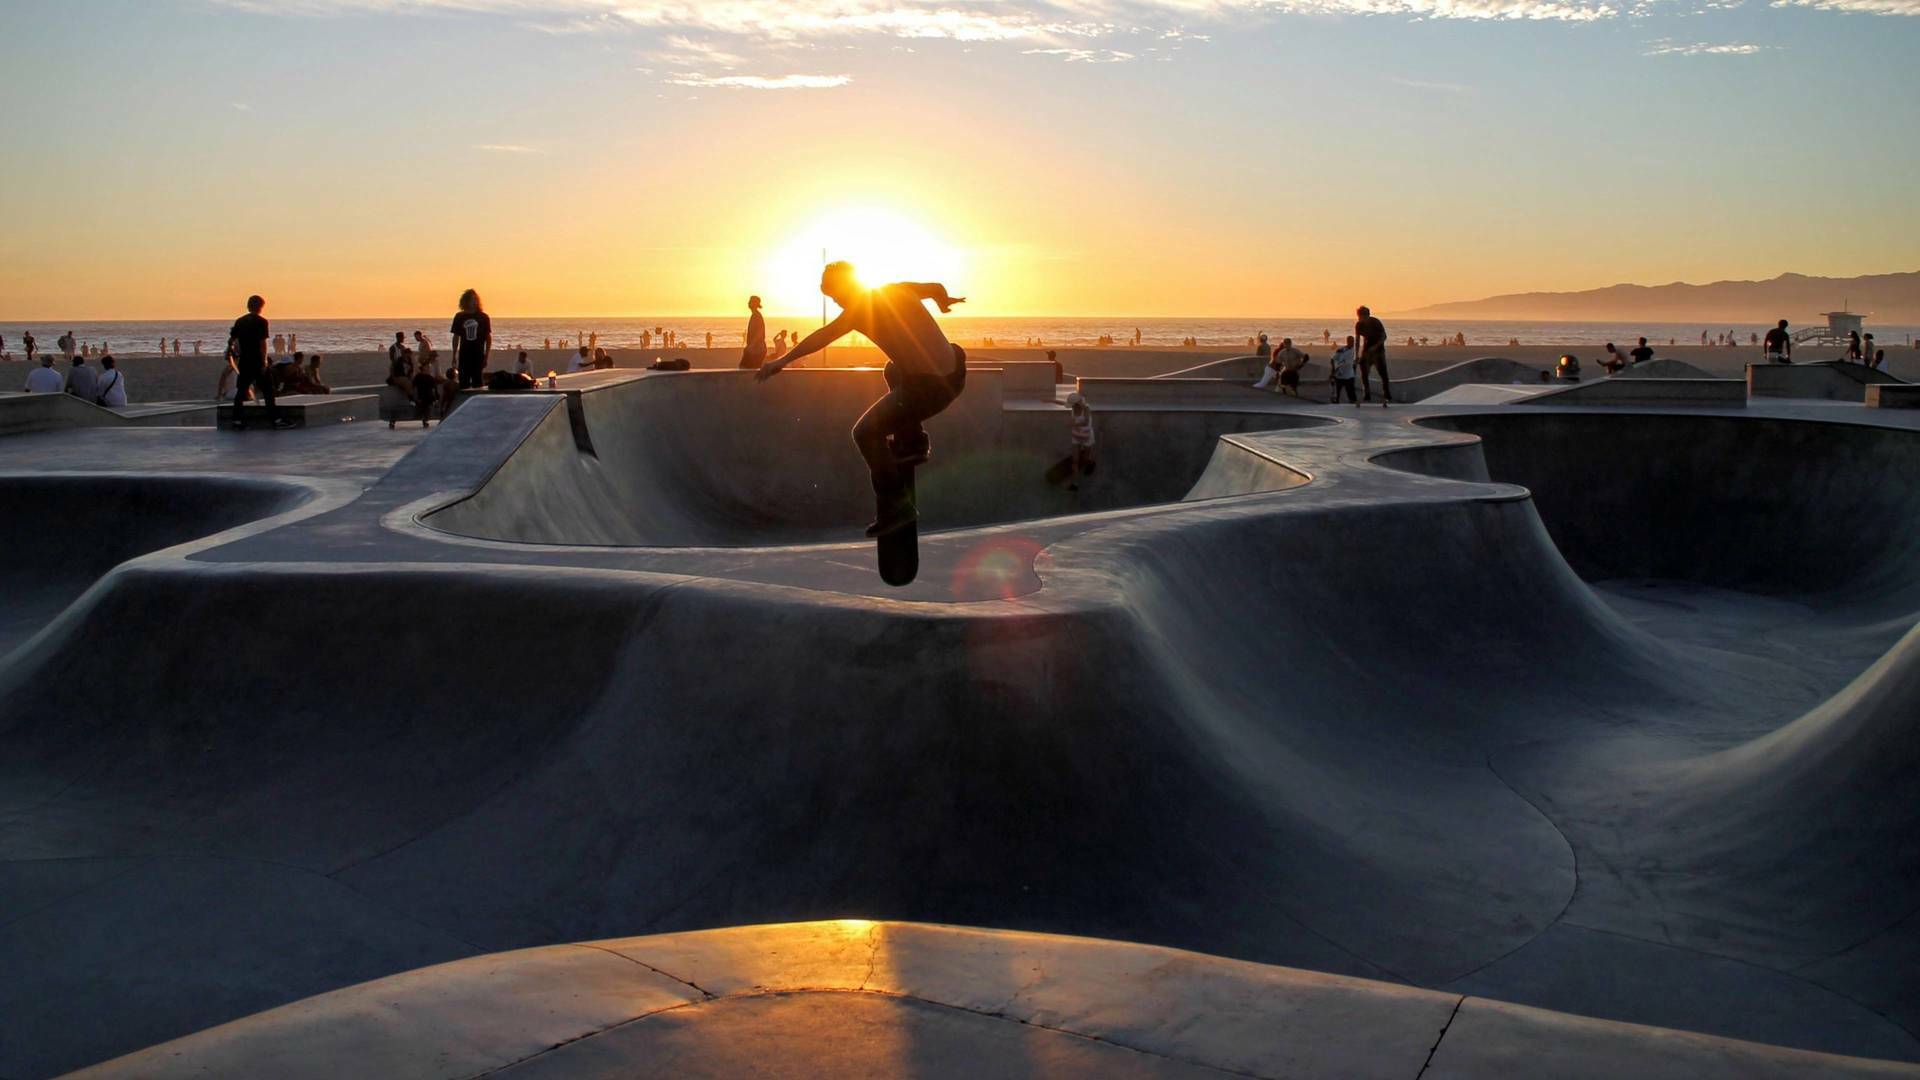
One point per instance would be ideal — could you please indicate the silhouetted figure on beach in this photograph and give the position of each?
(247, 341)
(29, 344)
(1778, 345)
(472, 339)
(925, 373)
(755, 352)
(1642, 353)
(1373, 354)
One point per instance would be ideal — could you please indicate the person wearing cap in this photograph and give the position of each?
(1080, 430)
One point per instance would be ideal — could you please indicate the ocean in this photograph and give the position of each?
(135, 338)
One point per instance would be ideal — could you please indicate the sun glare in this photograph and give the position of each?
(883, 245)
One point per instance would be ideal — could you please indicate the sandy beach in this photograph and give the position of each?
(193, 378)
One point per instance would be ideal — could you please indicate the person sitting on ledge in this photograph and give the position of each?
(1613, 363)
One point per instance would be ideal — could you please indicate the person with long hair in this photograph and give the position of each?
(472, 339)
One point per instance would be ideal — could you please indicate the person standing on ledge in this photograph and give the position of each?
(755, 354)
(1373, 354)
(925, 373)
(247, 342)
(1778, 345)
(472, 339)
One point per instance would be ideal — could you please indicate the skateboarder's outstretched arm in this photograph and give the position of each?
(936, 292)
(813, 343)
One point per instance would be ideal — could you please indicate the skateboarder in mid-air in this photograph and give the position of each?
(925, 373)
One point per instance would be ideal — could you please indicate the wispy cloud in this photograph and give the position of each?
(1084, 56)
(1702, 48)
(1423, 84)
(241, 106)
(1857, 7)
(1042, 23)
(762, 82)
(678, 50)
(508, 148)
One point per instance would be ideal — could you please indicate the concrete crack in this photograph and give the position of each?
(873, 953)
(1444, 1028)
(705, 993)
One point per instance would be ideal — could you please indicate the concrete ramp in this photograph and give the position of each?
(715, 459)
(1828, 381)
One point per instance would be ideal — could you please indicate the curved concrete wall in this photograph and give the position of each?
(1777, 506)
(714, 459)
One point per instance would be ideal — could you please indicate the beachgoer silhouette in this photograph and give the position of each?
(755, 352)
(472, 339)
(247, 342)
(1778, 345)
(925, 373)
(1373, 353)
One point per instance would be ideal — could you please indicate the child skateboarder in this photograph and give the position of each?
(925, 373)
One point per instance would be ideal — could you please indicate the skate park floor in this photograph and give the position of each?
(1606, 711)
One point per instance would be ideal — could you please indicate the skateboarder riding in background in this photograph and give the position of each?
(925, 373)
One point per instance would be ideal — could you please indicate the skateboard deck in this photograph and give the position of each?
(899, 551)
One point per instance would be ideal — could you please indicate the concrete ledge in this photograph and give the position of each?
(1822, 381)
(307, 410)
(1164, 392)
(1893, 396)
(966, 1001)
(1718, 393)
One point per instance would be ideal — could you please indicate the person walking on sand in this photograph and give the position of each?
(247, 341)
(1373, 354)
(1778, 345)
(29, 344)
(472, 339)
(66, 344)
(925, 373)
(755, 353)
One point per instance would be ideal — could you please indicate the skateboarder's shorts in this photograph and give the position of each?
(1290, 378)
(1373, 357)
(924, 396)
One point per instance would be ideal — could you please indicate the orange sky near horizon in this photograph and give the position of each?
(570, 158)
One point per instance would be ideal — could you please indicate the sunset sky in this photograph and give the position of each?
(1146, 157)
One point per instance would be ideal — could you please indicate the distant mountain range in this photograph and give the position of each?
(1885, 298)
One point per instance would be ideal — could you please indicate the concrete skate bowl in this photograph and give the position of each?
(62, 532)
(713, 459)
(1818, 512)
(1300, 730)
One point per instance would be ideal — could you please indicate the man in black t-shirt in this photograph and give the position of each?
(247, 342)
(1373, 353)
(472, 338)
(1778, 345)
(1642, 353)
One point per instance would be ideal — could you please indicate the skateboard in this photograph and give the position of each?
(899, 550)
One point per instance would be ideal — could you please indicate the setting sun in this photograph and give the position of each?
(883, 245)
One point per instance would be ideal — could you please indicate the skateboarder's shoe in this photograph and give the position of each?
(910, 450)
(892, 523)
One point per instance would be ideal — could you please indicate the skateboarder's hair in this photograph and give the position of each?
(837, 271)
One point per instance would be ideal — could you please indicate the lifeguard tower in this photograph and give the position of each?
(1839, 325)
